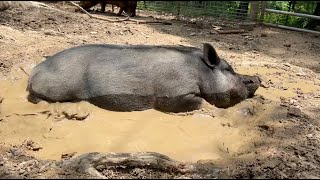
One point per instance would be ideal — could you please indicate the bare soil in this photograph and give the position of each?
(273, 135)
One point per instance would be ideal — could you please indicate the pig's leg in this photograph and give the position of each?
(112, 6)
(33, 98)
(103, 6)
(120, 11)
(183, 103)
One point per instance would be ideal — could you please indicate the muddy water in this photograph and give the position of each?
(185, 138)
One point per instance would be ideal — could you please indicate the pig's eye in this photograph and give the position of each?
(229, 69)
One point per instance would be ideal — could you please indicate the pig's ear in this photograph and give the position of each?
(210, 55)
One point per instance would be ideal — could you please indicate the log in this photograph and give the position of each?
(231, 31)
(88, 163)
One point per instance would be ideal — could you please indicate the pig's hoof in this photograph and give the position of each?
(71, 111)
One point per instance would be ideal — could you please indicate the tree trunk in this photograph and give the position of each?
(313, 22)
(254, 10)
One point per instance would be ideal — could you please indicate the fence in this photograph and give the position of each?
(290, 20)
(227, 9)
(257, 11)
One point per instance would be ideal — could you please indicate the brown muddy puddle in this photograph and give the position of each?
(185, 138)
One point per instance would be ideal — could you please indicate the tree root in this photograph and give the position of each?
(90, 162)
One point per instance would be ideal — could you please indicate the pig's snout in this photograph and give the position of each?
(251, 80)
(247, 81)
(252, 83)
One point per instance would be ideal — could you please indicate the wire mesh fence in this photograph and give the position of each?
(226, 9)
(242, 11)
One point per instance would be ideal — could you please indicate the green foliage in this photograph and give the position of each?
(229, 9)
(278, 5)
(305, 7)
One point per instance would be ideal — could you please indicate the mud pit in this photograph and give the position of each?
(275, 134)
(185, 138)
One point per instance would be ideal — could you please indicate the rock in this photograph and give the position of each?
(309, 135)
(31, 145)
(287, 45)
(309, 176)
(271, 164)
(293, 111)
(50, 33)
(265, 127)
(100, 167)
(67, 156)
(22, 171)
(247, 26)
(283, 175)
(286, 64)
(36, 148)
(75, 115)
(52, 18)
(293, 101)
(248, 38)
(15, 151)
(264, 84)
(263, 35)
(26, 165)
(292, 165)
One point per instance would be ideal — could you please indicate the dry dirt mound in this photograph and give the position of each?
(48, 19)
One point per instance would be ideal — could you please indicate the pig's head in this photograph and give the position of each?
(224, 87)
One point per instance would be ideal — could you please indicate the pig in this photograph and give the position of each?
(140, 77)
(129, 7)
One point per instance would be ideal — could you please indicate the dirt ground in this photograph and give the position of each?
(272, 135)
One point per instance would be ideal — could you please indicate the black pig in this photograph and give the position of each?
(140, 77)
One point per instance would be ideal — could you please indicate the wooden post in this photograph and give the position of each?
(254, 10)
(263, 9)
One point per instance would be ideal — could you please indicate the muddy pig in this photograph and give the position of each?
(140, 77)
(129, 7)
